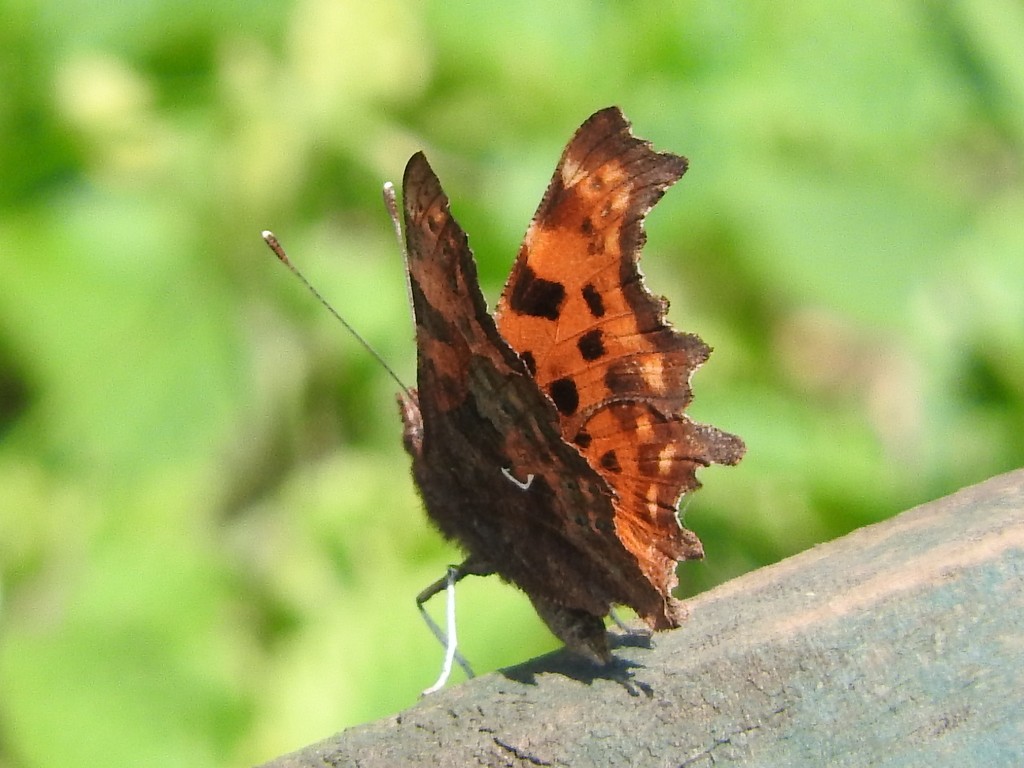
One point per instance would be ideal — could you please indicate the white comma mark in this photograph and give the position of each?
(522, 485)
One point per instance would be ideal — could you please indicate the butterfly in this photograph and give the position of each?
(549, 441)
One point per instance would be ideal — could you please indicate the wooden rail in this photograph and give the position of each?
(899, 644)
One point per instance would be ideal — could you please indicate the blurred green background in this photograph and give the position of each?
(209, 541)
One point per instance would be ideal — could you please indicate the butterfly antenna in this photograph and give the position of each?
(392, 205)
(276, 247)
(396, 223)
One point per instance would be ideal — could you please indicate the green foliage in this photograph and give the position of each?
(209, 544)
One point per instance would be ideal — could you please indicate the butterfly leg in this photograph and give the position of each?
(583, 633)
(641, 634)
(448, 639)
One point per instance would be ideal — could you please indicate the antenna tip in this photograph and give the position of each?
(275, 246)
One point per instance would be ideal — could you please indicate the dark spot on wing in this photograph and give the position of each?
(624, 378)
(535, 296)
(610, 461)
(590, 345)
(593, 299)
(565, 395)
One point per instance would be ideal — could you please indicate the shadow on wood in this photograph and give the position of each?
(899, 644)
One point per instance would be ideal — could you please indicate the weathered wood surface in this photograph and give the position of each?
(901, 644)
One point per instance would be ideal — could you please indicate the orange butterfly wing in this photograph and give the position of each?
(577, 312)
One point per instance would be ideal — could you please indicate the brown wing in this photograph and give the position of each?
(578, 313)
(478, 414)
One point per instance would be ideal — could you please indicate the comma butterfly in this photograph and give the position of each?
(549, 440)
